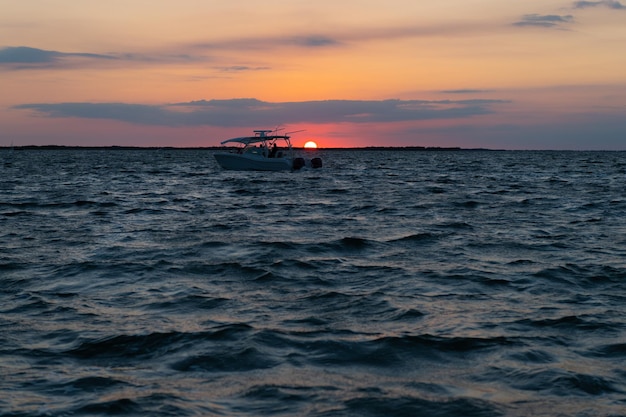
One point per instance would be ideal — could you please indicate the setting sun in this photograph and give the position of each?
(310, 145)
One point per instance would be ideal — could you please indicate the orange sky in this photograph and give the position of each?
(471, 73)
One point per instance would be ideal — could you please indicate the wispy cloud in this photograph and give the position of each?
(313, 41)
(132, 113)
(545, 21)
(242, 68)
(465, 91)
(611, 4)
(253, 112)
(26, 57)
(308, 41)
(344, 36)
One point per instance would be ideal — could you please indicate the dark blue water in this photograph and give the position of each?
(441, 283)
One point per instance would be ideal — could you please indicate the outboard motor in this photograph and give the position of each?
(298, 163)
(316, 163)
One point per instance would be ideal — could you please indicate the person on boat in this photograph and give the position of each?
(274, 150)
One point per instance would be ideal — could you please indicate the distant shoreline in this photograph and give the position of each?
(221, 148)
(225, 148)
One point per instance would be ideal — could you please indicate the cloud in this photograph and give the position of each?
(23, 57)
(253, 112)
(465, 91)
(308, 41)
(26, 57)
(546, 21)
(345, 36)
(313, 41)
(242, 68)
(132, 113)
(611, 4)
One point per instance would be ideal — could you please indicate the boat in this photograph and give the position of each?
(264, 151)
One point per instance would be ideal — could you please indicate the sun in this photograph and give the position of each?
(310, 145)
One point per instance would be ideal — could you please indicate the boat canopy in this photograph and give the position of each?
(247, 140)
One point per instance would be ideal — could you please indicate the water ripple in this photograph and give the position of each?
(475, 283)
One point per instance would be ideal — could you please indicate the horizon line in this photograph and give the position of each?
(352, 148)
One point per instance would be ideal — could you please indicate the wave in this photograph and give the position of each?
(115, 407)
(245, 359)
(381, 404)
(418, 238)
(345, 244)
(609, 351)
(567, 323)
(557, 382)
(584, 276)
(152, 345)
(47, 205)
(386, 352)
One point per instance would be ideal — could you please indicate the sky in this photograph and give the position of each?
(548, 74)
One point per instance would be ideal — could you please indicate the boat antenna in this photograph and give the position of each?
(295, 131)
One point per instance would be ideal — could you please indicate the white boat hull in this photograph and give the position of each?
(252, 162)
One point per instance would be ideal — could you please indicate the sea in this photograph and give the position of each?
(150, 282)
